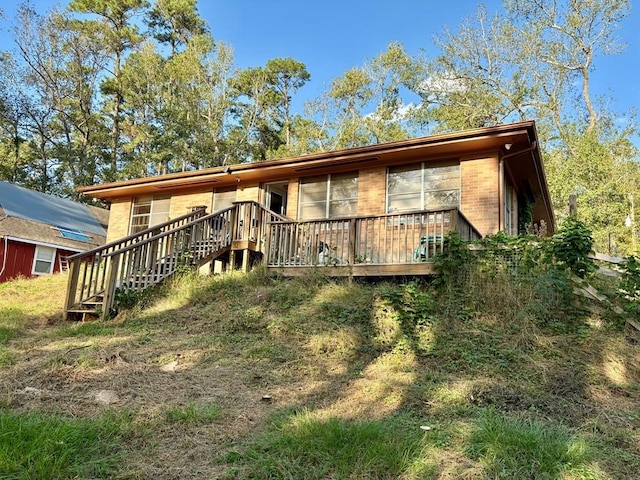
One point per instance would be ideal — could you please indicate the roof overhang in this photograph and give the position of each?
(521, 137)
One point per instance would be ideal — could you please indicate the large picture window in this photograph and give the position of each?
(422, 187)
(328, 196)
(43, 260)
(149, 211)
(223, 198)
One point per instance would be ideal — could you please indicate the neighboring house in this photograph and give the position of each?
(375, 210)
(38, 232)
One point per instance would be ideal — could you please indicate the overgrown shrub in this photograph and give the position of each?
(572, 245)
(515, 277)
(630, 283)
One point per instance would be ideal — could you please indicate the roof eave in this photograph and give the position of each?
(212, 176)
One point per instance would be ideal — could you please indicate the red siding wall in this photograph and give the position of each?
(19, 259)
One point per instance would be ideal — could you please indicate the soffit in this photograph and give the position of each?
(433, 148)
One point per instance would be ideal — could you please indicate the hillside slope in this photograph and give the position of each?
(249, 376)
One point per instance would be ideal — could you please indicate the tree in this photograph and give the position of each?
(285, 76)
(365, 105)
(114, 29)
(535, 60)
(61, 69)
(174, 22)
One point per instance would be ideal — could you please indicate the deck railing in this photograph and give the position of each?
(382, 240)
(140, 261)
(87, 270)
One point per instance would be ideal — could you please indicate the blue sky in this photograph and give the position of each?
(330, 36)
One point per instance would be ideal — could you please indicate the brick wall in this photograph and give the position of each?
(292, 199)
(479, 194)
(246, 193)
(119, 219)
(183, 203)
(372, 184)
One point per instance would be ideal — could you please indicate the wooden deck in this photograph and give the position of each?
(368, 270)
(383, 245)
(369, 246)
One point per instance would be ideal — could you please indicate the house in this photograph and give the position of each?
(369, 211)
(38, 232)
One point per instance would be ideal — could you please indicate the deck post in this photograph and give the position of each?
(245, 260)
(110, 287)
(455, 225)
(352, 241)
(72, 286)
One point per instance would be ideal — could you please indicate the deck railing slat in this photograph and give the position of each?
(384, 239)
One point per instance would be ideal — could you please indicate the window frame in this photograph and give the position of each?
(328, 200)
(150, 200)
(41, 248)
(219, 195)
(422, 169)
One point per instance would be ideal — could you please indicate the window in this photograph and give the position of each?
(418, 187)
(73, 234)
(223, 198)
(43, 260)
(328, 196)
(147, 212)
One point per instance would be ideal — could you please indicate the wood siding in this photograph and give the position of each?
(18, 261)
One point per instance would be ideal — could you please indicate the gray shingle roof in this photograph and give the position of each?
(34, 216)
(43, 208)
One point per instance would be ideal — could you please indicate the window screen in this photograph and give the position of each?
(43, 260)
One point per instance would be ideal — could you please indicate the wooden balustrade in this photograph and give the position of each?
(88, 270)
(139, 261)
(382, 240)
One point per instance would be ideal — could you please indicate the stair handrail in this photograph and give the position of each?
(169, 232)
(94, 271)
(195, 222)
(199, 212)
(100, 281)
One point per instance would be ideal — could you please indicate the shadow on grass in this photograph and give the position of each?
(378, 381)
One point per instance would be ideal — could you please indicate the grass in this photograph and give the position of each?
(524, 448)
(252, 376)
(305, 446)
(192, 413)
(35, 445)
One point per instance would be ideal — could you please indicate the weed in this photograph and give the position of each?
(522, 448)
(305, 446)
(192, 413)
(571, 246)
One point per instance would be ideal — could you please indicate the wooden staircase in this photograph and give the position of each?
(99, 277)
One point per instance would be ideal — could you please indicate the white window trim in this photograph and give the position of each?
(35, 259)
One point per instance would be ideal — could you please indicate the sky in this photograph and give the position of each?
(331, 36)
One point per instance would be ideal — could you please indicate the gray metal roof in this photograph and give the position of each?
(40, 207)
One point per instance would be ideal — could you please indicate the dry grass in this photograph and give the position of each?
(251, 347)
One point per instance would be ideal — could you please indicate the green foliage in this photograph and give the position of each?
(37, 445)
(193, 414)
(413, 302)
(522, 448)
(452, 263)
(571, 247)
(305, 446)
(630, 283)
(126, 298)
(520, 277)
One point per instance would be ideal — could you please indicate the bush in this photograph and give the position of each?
(572, 245)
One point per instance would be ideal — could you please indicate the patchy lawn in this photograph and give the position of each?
(249, 376)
